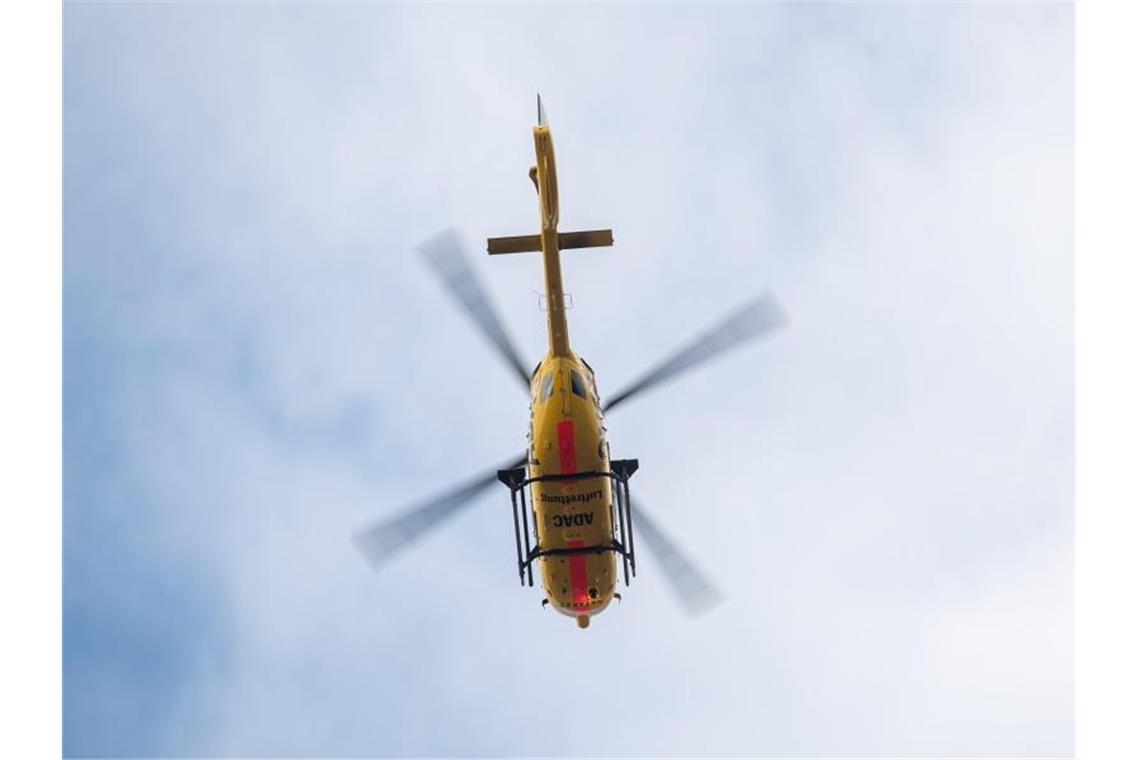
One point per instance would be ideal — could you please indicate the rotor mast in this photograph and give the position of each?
(545, 179)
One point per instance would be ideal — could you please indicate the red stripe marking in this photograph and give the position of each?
(567, 453)
(568, 462)
(578, 577)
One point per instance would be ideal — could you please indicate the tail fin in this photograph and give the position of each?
(541, 111)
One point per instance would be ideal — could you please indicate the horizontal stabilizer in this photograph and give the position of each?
(566, 240)
(516, 244)
(585, 239)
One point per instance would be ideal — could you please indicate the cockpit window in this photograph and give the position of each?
(577, 384)
(547, 386)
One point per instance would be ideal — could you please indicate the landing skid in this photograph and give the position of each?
(621, 470)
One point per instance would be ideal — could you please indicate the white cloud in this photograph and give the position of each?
(884, 490)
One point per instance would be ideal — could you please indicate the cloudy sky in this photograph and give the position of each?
(257, 364)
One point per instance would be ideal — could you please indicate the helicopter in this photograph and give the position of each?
(580, 520)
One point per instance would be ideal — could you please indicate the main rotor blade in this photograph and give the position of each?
(386, 538)
(759, 316)
(444, 253)
(696, 594)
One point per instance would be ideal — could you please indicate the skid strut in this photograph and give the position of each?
(621, 543)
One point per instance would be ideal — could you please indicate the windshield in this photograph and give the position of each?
(577, 385)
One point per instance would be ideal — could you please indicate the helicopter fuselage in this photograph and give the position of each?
(567, 435)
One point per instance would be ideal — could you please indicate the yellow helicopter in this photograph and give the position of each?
(580, 516)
